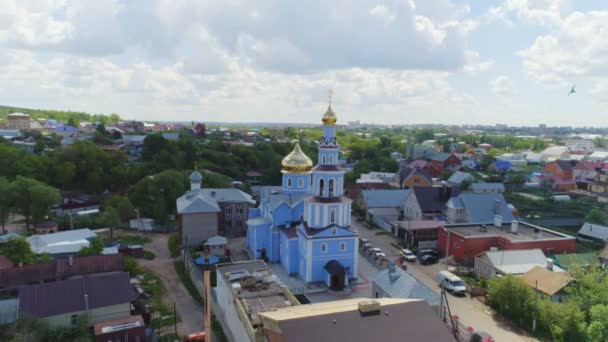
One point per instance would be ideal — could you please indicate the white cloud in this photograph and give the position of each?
(503, 86)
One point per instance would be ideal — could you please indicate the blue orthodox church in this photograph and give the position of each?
(305, 224)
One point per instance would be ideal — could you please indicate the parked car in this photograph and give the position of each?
(408, 255)
(428, 259)
(481, 336)
(363, 241)
(374, 250)
(426, 251)
(451, 283)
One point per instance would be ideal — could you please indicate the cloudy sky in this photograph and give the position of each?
(392, 61)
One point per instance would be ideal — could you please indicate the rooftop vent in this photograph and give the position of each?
(483, 228)
(369, 306)
(514, 227)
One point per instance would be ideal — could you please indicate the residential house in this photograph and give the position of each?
(386, 199)
(445, 161)
(470, 164)
(421, 234)
(599, 183)
(598, 156)
(570, 261)
(9, 134)
(561, 174)
(547, 283)
(458, 177)
(357, 319)
(464, 241)
(134, 144)
(554, 153)
(59, 269)
(96, 297)
(431, 202)
(409, 177)
(485, 146)
(515, 159)
(533, 158)
(478, 207)
(593, 232)
(585, 174)
(423, 151)
(378, 177)
(502, 262)
(18, 121)
(580, 146)
(501, 166)
(393, 282)
(64, 243)
(353, 191)
(480, 188)
(418, 164)
(203, 213)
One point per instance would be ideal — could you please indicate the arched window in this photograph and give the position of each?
(323, 160)
(300, 182)
(289, 182)
(321, 186)
(332, 216)
(331, 159)
(331, 188)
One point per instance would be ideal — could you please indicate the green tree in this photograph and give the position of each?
(95, 247)
(72, 121)
(599, 142)
(18, 250)
(155, 195)
(6, 202)
(122, 205)
(596, 215)
(33, 199)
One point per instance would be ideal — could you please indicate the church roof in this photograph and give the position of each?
(329, 118)
(196, 202)
(297, 160)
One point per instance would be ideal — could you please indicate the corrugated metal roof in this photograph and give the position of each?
(405, 286)
(385, 198)
(459, 176)
(481, 207)
(595, 231)
(480, 187)
(194, 202)
(517, 261)
(69, 241)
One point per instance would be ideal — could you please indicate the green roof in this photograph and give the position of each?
(566, 261)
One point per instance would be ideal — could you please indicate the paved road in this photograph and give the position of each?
(191, 313)
(471, 312)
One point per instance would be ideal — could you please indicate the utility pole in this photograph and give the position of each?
(175, 319)
(207, 303)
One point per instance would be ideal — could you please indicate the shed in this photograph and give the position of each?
(396, 283)
(591, 231)
(217, 245)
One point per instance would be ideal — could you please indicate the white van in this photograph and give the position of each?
(451, 283)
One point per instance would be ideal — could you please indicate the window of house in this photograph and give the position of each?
(74, 320)
(300, 182)
(331, 188)
(228, 211)
(323, 160)
(321, 186)
(331, 159)
(239, 211)
(342, 246)
(332, 216)
(323, 248)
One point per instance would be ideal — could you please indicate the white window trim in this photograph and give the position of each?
(323, 247)
(300, 182)
(332, 216)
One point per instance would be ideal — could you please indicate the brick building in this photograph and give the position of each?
(464, 241)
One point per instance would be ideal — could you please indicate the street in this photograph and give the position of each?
(471, 312)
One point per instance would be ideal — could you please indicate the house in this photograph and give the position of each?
(594, 232)
(547, 283)
(306, 223)
(515, 159)
(515, 262)
(580, 146)
(598, 156)
(445, 161)
(431, 202)
(480, 188)
(554, 153)
(393, 282)
(59, 269)
(63, 243)
(9, 134)
(98, 297)
(409, 177)
(585, 173)
(560, 173)
(598, 183)
(478, 207)
(130, 329)
(216, 245)
(533, 158)
(571, 261)
(353, 191)
(418, 164)
(421, 234)
(470, 164)
(458, 177)
(378, 177)
(463, 242)
(485, 146)
(18, 121)
(357, 319)
(501, 166)
(423, 151)
(244, 290)
(394, 199)
(203, 213)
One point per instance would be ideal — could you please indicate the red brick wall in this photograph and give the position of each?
(452, 160)
(556, 247)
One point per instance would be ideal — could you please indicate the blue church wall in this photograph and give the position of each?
(329, 156)
(257, 238)
(281, 215)
(320, 259)
(338, 184)
(289, 254)
(254, 212)
(296, 182)
(297, 212)
(274, 250)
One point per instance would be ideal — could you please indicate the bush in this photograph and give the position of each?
(149, 255)
(134, 239)
(174, 245)
(133, 267)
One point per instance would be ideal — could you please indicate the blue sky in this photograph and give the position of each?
(390, 62)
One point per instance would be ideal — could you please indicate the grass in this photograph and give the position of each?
(164, 320)
(187, 281)
(383, 233)
(134, 239)
(149, 255)
(174, 245)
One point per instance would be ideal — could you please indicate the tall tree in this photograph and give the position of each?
(19, 251)
(33, 198)
(6, 202)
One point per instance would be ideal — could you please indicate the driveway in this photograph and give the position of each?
(471, 312)
(190, 312)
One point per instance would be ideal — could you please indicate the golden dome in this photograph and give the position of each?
(329, 118)
(296, 161)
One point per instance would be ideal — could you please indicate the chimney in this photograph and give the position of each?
(71, 260)
(550, 264)
(514, 227)
(497, 221)
(497, 206)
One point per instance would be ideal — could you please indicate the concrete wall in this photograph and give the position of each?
(198, 227)
(223, 306)
(97, 315)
